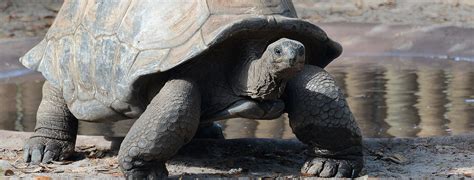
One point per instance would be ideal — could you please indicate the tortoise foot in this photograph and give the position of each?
(44, 150)
(327, 167)
(158, 172)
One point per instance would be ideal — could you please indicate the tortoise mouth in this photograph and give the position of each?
(288, 73)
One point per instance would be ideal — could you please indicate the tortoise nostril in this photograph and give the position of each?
(292, 60)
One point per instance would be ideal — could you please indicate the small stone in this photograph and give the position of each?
(9, 172)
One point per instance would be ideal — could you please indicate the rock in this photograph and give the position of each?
(9, 172)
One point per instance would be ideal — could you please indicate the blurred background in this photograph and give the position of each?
(407, 69)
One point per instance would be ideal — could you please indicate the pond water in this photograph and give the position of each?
(389, 96)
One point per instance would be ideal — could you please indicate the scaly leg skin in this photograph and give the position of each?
(169, 122)
(55, 132)
(320, 117)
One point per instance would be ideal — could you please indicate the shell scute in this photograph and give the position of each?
(104, 17)
(68, 18)
(84, 61)
(125, 57)
(262, 7)
(106, 51)
(33, 58)
(49, 64)
(65, 58)
(177, 22)
(147, 58)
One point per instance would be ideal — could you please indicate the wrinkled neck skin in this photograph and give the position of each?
(256, 78)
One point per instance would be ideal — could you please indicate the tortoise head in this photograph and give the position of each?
(265, 78)
(285, 56)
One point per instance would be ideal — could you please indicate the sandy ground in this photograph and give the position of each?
(419, 12)
(442, 157)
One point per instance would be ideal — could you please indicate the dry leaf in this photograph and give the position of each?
(42, 178)
(62, 162)
(86, 147)
(397, 158)
(35, 170)
(468, 174)
(116, 174)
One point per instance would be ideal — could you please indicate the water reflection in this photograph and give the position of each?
(8, 110)
(402, 115)
(365, 91)
(460, 113)
(389, 97)
(431, 103)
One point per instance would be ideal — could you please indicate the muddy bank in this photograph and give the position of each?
(444, 157)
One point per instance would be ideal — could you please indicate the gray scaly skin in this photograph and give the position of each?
(262, 84)
(320, 117)
(55, 132)
(169, 122)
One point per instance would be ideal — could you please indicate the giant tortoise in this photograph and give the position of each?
(176, 66)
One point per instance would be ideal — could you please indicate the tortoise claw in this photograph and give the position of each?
(327, 167)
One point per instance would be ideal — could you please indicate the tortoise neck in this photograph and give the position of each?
(256, 78)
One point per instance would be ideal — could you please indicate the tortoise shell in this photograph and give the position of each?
(96, 49)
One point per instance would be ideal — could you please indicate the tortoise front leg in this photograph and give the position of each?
(169, 122)
(55, 131)
(320, 117)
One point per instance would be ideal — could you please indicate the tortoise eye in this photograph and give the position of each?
(278, 51)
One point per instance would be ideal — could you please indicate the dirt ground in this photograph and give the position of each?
(384, 158)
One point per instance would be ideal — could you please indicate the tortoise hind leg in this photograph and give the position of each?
(320, 117)
(169, 122)
(56, 129)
